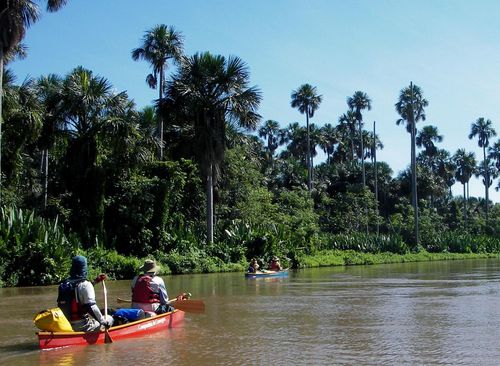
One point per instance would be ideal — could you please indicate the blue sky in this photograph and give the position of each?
(450, 48)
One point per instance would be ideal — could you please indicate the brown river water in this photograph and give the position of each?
(433, 313)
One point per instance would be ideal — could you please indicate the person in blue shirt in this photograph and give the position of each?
(254, 266)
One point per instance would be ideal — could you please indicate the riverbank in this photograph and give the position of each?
(120, 267)
(328, 258)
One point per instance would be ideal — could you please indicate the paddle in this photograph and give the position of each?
(107, 337)
(188, 306)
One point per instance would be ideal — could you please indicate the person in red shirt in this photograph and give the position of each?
(275, 264)
(148, 290)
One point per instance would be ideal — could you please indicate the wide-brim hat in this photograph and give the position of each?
(149, 266)
(275, 258)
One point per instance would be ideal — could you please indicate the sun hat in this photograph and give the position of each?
(149, 266)
(275, 258)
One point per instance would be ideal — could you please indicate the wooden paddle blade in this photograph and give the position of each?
(107, 337)
(190, 306)
(119, 299)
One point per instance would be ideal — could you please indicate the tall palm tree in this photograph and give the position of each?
(50, 93)
(347, 123)
(445, 168)
(465, 166)
(427, 137)
(484, 130)
(23, 115)
(371, 143)
(488, 172)
(159, 44)
(217, 92)
(15, 17)
(307, 100)
(494, 154)
(270, 132)
(410, 107)
(296, 140)
(329, 138)
(359, 102)
(95, 117)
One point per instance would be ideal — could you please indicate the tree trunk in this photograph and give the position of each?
(465, 210)
(210, 205)
(46, 176)
(308, 158)
(414, 168)
(160, 122)
(1, 119)
(375, 175)
(362, 154)
(486, 182)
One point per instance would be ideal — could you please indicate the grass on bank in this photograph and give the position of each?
(328, 258)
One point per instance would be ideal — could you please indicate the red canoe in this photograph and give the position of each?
(134, 329)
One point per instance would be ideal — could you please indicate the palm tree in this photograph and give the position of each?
(270, 131)
(484, 130)
(494, 154)
(50, 93)
(465, 166)
(159, 44)
(347, 126)
(296, 140)
(23, 115)
(357, 103)
(15, 18)
(427, 137)
(307, 101)
(410, 107)
(216, 90)
(488, 172)
(328, 139)
(95, 117)
(445, 168)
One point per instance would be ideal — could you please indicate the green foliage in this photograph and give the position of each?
(351, 257)
(299, 218)
(349, 211)
(120, 204)
(33, 251)
(159, 210)
(463, 242)
(111, 263)
(367, 243)
(197, 261)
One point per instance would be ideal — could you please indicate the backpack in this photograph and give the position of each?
(66, 299)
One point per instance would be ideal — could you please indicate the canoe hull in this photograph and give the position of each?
(267, 274)
(138, 328)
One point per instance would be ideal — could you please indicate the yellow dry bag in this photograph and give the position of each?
(52, 320)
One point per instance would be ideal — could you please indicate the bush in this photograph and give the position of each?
(33, 251)
(367, 243)
(114, 265)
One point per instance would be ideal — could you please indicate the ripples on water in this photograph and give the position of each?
(442, 313)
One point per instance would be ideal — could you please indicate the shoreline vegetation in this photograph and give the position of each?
(202, 183)
(35, 251)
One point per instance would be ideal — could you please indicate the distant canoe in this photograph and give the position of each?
(267, 274)
(138, 328)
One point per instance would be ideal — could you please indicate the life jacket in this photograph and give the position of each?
(274, 266)
(67, 299)
(143, 292)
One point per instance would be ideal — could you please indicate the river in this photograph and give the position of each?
(432, 313)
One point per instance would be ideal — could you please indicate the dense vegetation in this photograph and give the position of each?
(200, 183)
